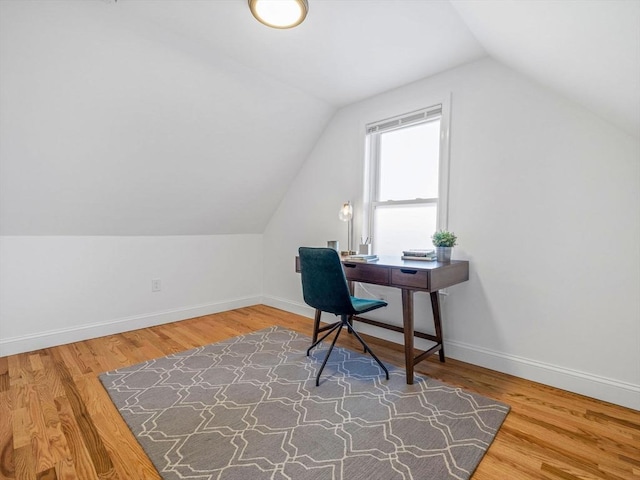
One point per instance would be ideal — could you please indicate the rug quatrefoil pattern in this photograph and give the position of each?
(247, 408)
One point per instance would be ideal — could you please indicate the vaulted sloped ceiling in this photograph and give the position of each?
(189, 117)
(587, 50)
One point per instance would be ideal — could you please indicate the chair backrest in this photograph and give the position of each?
(324, 285)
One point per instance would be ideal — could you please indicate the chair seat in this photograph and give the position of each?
(362, 305)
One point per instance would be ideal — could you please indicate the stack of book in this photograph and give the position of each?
(424, 255)
(360, 258)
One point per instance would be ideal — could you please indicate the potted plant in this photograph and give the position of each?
(444, 241)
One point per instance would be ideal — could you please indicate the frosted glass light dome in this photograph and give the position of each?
(279, 13)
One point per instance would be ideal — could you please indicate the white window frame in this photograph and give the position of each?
(372, 163)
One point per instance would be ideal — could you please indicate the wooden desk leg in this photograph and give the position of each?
(435, 306)
(316, 326)
(407, 320)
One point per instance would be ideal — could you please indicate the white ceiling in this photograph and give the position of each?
(347, 50)
(148, 117)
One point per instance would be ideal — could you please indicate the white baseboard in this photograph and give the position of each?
(289, 306)
(28, 343)
(594, 386)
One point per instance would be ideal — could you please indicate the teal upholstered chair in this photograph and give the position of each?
(325, 288)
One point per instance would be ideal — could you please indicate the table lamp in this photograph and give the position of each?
(346, 215)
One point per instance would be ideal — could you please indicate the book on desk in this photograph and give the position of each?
(420, 259)
(360, 258)
(420, 255)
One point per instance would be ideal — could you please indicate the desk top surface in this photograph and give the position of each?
(393, 261)
(406, 274)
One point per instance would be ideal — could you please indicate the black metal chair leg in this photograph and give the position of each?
(340, 325)
(349, 323)
(333, 327)
(366, 348)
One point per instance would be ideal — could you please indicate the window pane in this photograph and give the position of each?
(409, 162)
(399, 228)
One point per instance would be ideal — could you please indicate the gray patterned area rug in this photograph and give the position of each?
(247, 408)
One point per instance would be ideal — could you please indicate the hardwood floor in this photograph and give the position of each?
(57, 422)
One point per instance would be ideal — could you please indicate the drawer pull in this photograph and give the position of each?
(410, 272)
(350, 265)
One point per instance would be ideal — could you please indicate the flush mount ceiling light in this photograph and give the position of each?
(279, 13)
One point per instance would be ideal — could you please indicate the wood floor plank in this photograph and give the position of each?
(43, 457)
(131, 462)
(186, 339)
(7, 466)
(56, 440)
(147, 344)
(20, 372)
(79, 463)
(85, 357)
(65, 470)
(47, 475)
(51, 379)
(56, 420)
(120, 351)
(65, 354)
(557, 457)
(4, 374)
(24, 466)
(21, 420)
(94, 444)
(107, 355)
(35, 361)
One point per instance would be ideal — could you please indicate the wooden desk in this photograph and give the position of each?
(410, 276)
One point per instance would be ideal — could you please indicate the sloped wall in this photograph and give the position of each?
(112, 125)
(545, 199)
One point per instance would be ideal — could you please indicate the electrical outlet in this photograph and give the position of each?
(156, 285)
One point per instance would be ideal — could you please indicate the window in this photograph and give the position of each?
(407, 173)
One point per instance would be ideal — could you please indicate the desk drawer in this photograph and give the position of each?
(361, 272)
(410, 277)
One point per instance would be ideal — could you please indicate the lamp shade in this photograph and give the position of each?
(279, 13)
(346, 212)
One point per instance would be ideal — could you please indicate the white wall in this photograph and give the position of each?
(545, 200)
(56, 290)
